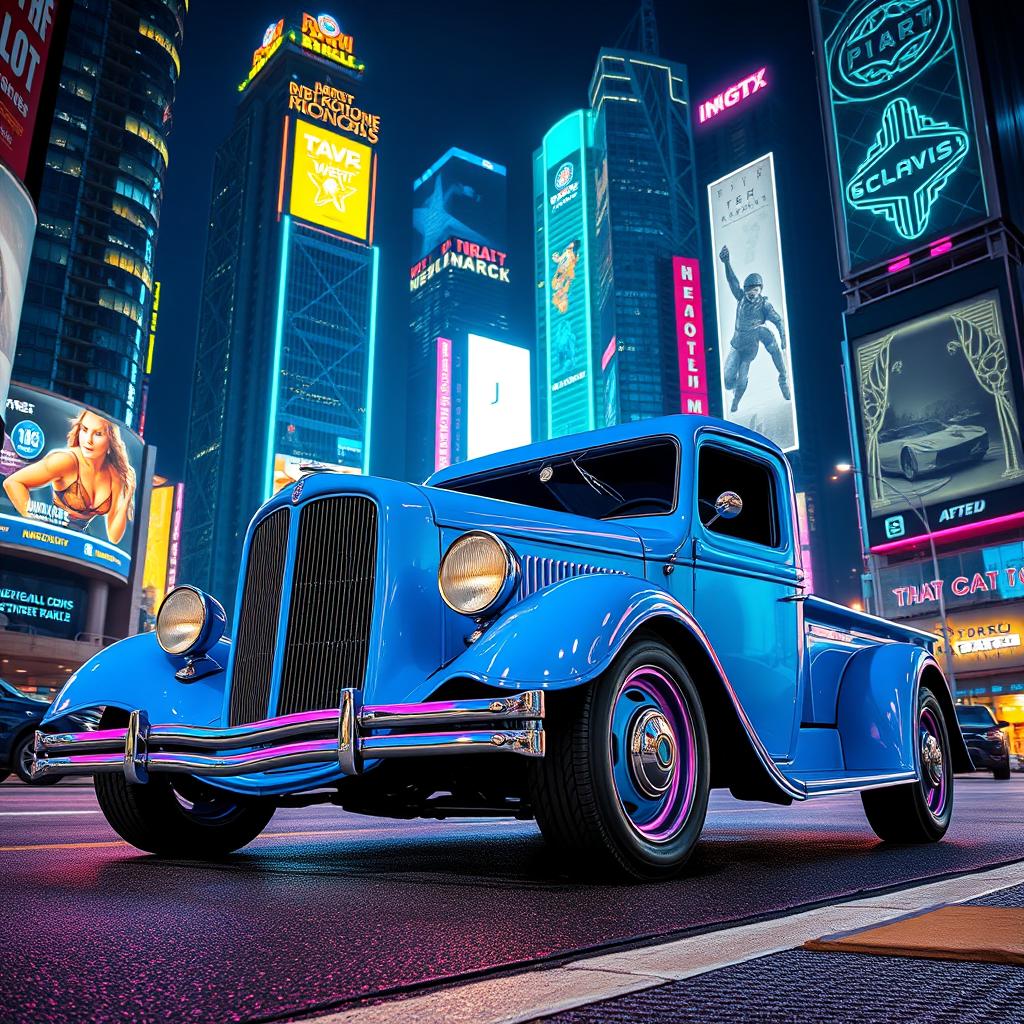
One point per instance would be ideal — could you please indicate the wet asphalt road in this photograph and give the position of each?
(326, 909)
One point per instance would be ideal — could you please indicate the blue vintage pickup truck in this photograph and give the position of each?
(617, 618)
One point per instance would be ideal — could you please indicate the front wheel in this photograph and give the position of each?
(180, 817)
(623, 788)
(918, 812)
(21, 761)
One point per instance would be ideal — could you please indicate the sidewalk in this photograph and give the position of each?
(822, 988)
(751, 973)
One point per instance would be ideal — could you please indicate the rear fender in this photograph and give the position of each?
(877, 709)
(137, 673)
(567, 634)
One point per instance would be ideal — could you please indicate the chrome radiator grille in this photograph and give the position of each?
(542, 572)
(326, 629)
(257, 624)
(328, 632)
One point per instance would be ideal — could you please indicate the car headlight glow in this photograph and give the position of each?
(189, 622)
(478, 573)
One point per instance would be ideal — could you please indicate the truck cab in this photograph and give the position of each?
(625, 610)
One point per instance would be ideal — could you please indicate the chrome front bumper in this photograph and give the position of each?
(342, 736)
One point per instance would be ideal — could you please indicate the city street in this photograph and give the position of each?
(326, 910)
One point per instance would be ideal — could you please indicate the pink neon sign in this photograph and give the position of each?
(443, 406)
(693, 377)
(743, 89)
(953, 533)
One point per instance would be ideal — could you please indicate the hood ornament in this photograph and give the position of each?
(297, 490)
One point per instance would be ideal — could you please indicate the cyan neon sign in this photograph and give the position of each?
(907, 166)
(878, 48)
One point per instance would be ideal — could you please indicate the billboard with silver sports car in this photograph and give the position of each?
(939, 419)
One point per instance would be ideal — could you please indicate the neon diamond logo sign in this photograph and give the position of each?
(907, 167)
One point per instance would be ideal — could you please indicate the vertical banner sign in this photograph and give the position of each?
(25, 33)
(569, 370)
(17, 232)
(174, 547)
(905, 149)
(443, 406)
(693, 378)
(750, 293)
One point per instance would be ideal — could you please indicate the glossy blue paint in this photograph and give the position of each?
(877, 709)
(559, 632)
(137, 672)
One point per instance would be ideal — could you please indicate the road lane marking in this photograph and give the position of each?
(512, 999)
(60, 846)
(18, 814)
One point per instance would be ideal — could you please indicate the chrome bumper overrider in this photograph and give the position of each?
(311, 737)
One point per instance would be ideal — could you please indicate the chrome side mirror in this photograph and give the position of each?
(728, 505)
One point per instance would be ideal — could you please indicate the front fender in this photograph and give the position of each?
(137, 673)
(877, 709)
(565, 634)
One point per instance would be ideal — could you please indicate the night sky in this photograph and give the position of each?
(492, 79)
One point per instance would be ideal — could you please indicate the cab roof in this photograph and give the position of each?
(683, 426)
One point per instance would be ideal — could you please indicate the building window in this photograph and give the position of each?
(152, 32)
(148, 133)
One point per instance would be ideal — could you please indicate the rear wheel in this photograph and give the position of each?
(1002, 772)
(623, 787)
(918, 812)
(180, 817)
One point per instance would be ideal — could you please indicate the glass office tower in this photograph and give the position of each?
(84, 325)
(627, 181)
(284, 361)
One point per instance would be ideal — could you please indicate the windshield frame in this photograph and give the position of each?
(567, 458)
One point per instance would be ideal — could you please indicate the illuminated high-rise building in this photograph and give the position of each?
(458, 304)
(615, 201)
(287, 320)
(84, 324)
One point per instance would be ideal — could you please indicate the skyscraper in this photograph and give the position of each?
(459, 291)
(633, 201)
(284, 361)
(85, 319)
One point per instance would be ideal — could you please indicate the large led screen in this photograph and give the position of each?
(499, 397)
(750, 293)
(332, 181)
(462, 195)
(70, 478)
(17, 230)
(900, 121)
(938, 418)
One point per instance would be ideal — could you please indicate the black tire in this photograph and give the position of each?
(909, 465)
(917, 812)
(180, 817)
(21, 758)
(1002, 772)
(4, 776)
(574, 790)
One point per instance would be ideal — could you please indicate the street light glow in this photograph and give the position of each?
(843, 467)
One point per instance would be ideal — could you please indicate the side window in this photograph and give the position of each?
(721, 470)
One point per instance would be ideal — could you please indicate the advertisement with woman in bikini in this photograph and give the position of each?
(70, 475)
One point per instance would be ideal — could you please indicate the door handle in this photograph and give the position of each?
(794, 597)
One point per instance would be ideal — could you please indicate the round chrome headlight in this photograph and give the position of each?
(189, 622)
(477, 574)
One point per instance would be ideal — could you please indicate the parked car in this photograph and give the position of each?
(930, 446)
(21, 714)
(618, 619)
(985, 738)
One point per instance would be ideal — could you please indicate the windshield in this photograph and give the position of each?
(976, 714)
(634, 479)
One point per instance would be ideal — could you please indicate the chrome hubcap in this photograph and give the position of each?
(653, 752)
(931, 758)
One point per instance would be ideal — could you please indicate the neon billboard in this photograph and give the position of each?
(443, 405)
(460, 254)
(735, 94)
(498, 387)
(693, 377)
(905, 152)
(322, 35)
